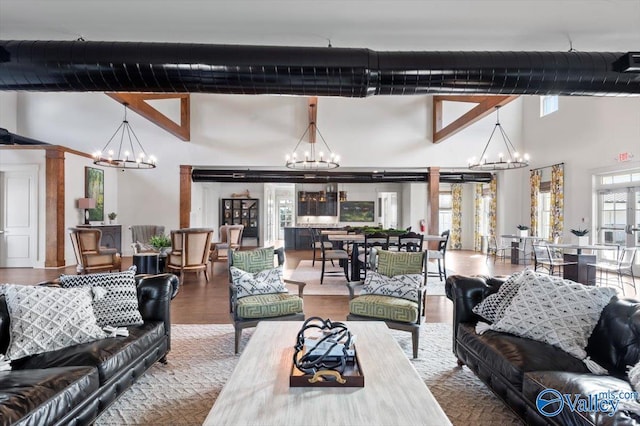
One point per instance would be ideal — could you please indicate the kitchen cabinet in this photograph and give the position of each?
(320, 203)
(242, 211)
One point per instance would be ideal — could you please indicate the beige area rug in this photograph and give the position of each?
(182, 392)
(335, 285)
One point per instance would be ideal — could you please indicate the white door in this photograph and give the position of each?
(18, 217)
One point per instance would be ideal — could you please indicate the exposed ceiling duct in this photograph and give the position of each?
(8, 138)
(83, 66)
(227, 175)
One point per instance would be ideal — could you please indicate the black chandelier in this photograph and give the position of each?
(512, 159)
(311, 159)
(127, 155)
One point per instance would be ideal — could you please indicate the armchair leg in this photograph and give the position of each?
(238, 337)
(415, 339)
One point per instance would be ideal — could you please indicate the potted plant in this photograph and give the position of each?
(112, 217)
(524, 230)
(583, 239)
(160, 243)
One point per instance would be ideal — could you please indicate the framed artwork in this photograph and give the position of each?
(357, 211)
(94, 188)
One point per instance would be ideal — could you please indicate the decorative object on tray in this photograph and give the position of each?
(325, 356)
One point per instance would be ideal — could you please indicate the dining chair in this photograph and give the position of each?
(496, 250)
(410, 241)
(330, 254)
(545, 258)
(256, 290)
(190, 249)
(372, 242)
(90, 255)
(440, 255)
(622, 266)
(317, 242)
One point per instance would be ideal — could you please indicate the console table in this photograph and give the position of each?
(258, 391)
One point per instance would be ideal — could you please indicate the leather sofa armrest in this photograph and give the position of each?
(154, 299)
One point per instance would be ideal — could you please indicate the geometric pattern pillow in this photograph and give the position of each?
(493, 306)
(559, 312)
(254, 260)
(268, 281)
(119, 307)
(44, 319)
(402, 286)
(397, 263)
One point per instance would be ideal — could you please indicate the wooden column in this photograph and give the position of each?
(54, 210)
(185, 196)
(433, 196)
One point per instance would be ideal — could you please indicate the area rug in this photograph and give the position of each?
(182, 392)
(334, 285)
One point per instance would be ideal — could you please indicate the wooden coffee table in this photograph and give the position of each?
(258, 391)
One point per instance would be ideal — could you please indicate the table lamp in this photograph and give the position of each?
(86, 204)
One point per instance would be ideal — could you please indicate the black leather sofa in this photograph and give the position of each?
(517, 369)
(72, 386)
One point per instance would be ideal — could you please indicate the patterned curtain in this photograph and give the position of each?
(493, 209)
(477, 237)
(534, 181)
(456, 216)
(557, 200)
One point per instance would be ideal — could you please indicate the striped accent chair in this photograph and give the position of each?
(395, 294)
(248, 310)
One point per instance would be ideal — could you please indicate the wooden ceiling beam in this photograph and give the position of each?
(486, 105)
(138, 103)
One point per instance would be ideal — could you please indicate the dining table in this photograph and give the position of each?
(580, 266)
(358, 239)
(517, 250)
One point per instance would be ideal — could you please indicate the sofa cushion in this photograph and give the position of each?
(44, 319)
(119, 307)
(268, 305)
(402, 286)
(555, 311)
(550, 384)
(511, 356)
(493, 306)
(267, 281)
(42, 396)
(384, 307)
(109, 355)
(253, 260)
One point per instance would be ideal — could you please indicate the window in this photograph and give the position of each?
(445, 213)
(544, 215)
(548, 105)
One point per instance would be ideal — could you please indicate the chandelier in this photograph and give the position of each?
(512, 159)
(311, 159)
(124, 153)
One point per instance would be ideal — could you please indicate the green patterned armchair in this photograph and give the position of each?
(257, 290)
(393, 293)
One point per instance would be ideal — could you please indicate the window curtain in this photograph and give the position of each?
(557, 200)
(477, 236)
(534, 181)
(493, 208)
(456, 216)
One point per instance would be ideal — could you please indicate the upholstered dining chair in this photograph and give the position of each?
(257, 292)
(90, 255)
(317, 243)
(140, 236)
(230, 240)
(190, 249)
(440, 255)
(330, 255)
(395, 293)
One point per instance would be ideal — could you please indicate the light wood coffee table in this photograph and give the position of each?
(258, 391)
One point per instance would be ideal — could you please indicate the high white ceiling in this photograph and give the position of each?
(592, 25)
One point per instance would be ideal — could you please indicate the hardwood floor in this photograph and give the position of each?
(200, 302)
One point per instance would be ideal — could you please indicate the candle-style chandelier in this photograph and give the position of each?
(124, 154)
(512, 159)
(312, 159)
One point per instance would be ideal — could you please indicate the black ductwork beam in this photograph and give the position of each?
(8, 138)
(275, 176)
(81, 66)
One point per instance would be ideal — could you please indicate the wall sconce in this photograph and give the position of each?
(323, 196)
(86, 204)
(342, 196)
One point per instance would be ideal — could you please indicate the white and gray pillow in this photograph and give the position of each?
(403, 286)
(119, 307)
(493, 306)
(44, 319)
(267, 281)
(559, 312)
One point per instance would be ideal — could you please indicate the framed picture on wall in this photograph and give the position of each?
(357, 211)
(94, 188)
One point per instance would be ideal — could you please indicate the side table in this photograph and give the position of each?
(146, 263)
